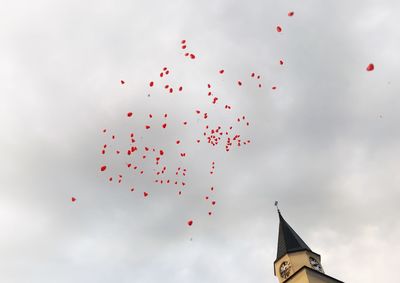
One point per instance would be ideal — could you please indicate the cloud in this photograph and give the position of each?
(324, 143)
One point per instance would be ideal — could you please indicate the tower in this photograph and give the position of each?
(295, 261)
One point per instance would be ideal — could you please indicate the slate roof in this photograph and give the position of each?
(288, 240)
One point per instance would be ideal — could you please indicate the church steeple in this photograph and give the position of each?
(295, 261)
(288, 240)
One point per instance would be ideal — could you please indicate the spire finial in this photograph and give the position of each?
(277, 207)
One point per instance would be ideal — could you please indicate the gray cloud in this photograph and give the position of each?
(325, 143)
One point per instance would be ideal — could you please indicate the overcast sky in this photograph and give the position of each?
(325, 143)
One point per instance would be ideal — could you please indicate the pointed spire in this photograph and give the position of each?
(288, 240)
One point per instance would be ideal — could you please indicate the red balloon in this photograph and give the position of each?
(370, 67)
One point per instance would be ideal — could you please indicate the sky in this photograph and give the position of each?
(324, 143)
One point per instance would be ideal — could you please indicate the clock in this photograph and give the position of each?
(285, 269)
(316, 265)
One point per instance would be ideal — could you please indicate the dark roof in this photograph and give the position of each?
(288, 240)
(312, 270)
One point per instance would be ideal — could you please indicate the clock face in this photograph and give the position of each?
(316, 265)
(285, 269)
